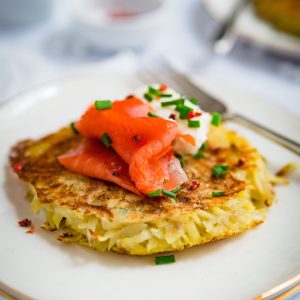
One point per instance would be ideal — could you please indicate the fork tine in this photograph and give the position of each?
(160, 70)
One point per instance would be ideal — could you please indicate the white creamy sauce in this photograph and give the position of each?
(199, 134)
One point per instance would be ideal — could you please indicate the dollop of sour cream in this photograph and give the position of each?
(198, 134)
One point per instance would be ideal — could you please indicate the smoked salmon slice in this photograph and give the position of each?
(143, 142)
(92, 159)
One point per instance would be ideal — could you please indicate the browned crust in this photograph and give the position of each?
(56, 185)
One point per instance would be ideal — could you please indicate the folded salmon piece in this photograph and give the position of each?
(92, 159)
(143, 142)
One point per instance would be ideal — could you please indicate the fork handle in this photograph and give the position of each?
(266, 132)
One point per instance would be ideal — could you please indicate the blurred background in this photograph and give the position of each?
(252, 45)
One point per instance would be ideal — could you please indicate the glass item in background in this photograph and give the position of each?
(21, 12)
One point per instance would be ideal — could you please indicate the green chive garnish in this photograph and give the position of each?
(174, 102)
(183, 115)
(183, 110)
(217, 194)
(203, 147)
(151, 114)
(198, 155)
(106, 140)
(219, 170)
(181, 159)
(166, 95)
(180, 107)
(177, 189)
(155, 194)
(103, 104)
(194, 123)
(216, 119)
(161, 260)
(194, 101)
(169, 194)
(153, 91)
(148, 97)
(72, 125)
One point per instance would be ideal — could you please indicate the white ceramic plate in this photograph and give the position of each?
(38, 266)
(253, 29)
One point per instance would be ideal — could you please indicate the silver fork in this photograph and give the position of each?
(159, 70)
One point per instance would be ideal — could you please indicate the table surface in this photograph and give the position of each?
(37, 54)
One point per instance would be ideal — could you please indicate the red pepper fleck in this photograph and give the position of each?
(193, 185)
(172, 116)
(163, 87)
(17, 167)
(129, 96)
(193, 114)
(136, 138)
(31, 230)
(93, 233)
(25, 223)
(116, 168)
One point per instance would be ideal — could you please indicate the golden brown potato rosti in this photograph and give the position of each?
(104, 216)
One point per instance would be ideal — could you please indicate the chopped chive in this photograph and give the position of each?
(177, 189)
(72, 125)
(180, 107)
(216, 119)
(194, 101)
(151, 114)
(155, 194)
(217, 194)
(198, 155)
(203, 147)
(181, 159)
(169, 194)
(183, 111)
(153, 91)
(174, 102)
(219, 170)
(103, 104)
(167, 259)
(166, 95)
(194, 123)
(106, 140)
(148, 97)
(183, 115)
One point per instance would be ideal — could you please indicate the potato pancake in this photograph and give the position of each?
(104, 216)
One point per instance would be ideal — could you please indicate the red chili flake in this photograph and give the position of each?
(172, 116)
(193, 114)
(163, 87)
(136, 138)
(25, 223)
(17, 167)
(193, 185)
(31, 230)
(116, 168)
(129, 96)
(93, 233)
